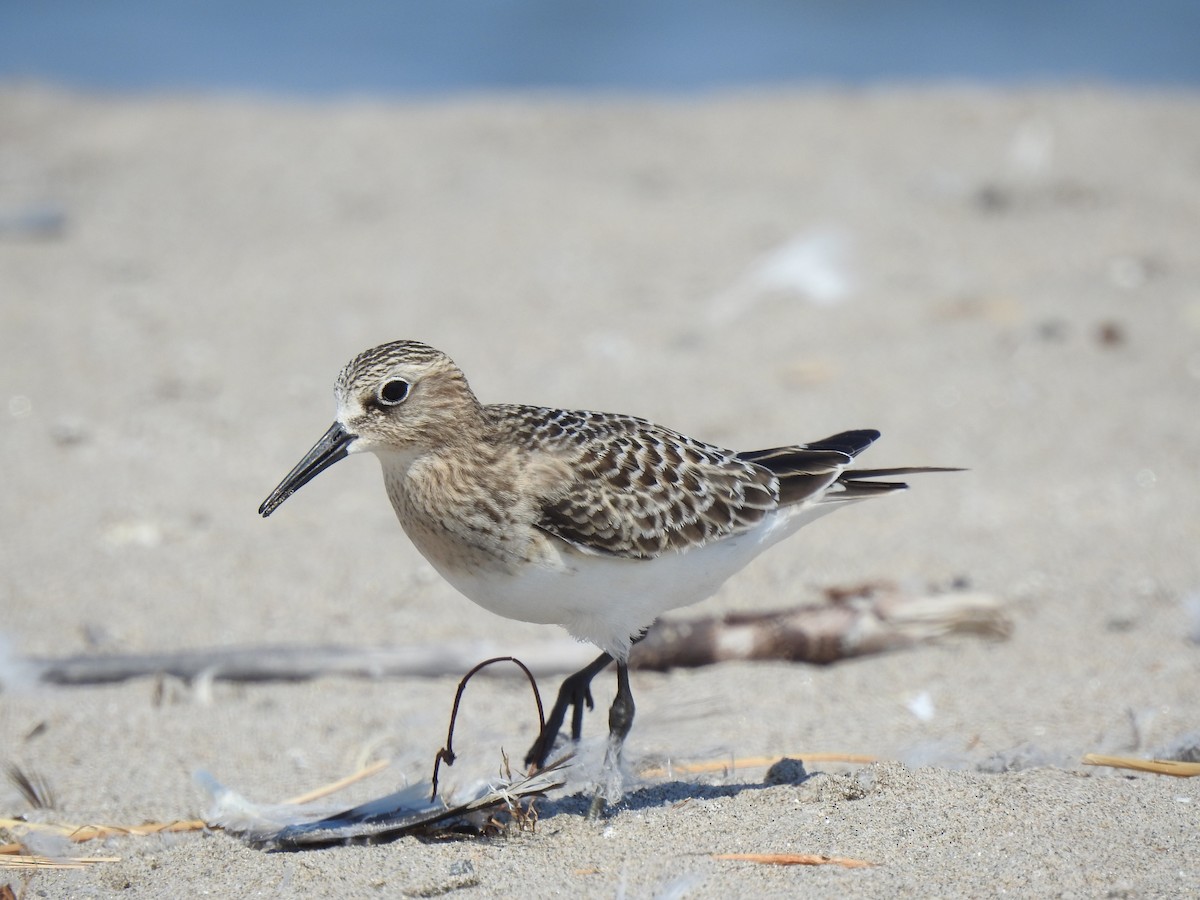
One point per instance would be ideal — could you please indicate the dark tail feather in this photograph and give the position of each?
(784, 460)
(819, 468)
(854, 485)
(905, 470)
(832, 452)
(851, 443)
(848, 489)
(803, 472)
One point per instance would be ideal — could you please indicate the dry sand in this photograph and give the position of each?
(1008, 281)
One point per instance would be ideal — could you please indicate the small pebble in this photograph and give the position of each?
(786, 771)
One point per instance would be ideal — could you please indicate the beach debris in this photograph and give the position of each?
(1185, 748)
(471, 811)
(796, 859)
(83, 833)
(922, 707)
(853, 621)
(37, 861)
(32, 786)
(295, 824)
(1156, 766)
(79, 834)
(1180, 758)
(813, 266)
(1025, 755)
(787, 771)
(446, 754)
(293, 663)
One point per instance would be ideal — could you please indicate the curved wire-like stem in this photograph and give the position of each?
(446, 754)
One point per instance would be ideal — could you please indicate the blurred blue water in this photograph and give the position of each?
(310, 47)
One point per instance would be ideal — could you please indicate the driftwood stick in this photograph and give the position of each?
(870, 619)
(298, 663)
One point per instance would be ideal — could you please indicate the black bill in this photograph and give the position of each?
(333, 446)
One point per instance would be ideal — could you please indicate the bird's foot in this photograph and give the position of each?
(542, 748)
(575, 694)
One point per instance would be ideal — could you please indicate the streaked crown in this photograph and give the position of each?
(405, 395)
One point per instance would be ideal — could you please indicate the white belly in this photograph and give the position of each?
(604, 600)
(523, 573)
(608, 600)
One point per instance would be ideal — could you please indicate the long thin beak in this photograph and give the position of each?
(333, 446)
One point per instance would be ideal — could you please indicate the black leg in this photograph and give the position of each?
(575, 693)
(620, 720)
(620, 716)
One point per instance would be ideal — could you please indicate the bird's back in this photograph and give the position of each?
(641, 490)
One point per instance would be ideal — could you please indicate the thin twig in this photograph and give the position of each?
(1157, 766)
(446, 754)
(335, 786)
(796, 859)
(857, 621)
(36, 861)
(80, 833)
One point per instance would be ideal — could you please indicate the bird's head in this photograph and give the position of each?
(402, 398)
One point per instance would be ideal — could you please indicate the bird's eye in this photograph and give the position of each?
(393, 392)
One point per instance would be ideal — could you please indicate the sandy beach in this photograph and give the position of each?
(1007, 281)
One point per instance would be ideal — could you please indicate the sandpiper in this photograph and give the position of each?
(594, 521)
